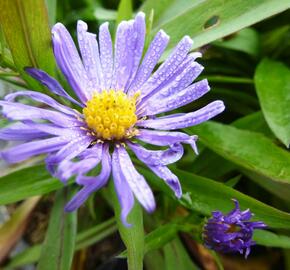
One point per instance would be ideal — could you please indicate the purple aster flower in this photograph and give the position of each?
(232, 232)
(118, 98)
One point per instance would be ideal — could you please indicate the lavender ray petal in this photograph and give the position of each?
(171, 179)
(150, 60)
(20, 132)
(43, 99)
(184, 120)
(26, 150)
(67, 168)
(105, 172)
(124, 193)
(21, 112)
(179, 99)
(163, 138)
(157, 157)
(91, 58)
(123, 55)
(182, 77)
(69, 61)
(106, 54)
(167, 69)
(136, 181)
(75, 146)
(52, 84)
(91, 187)
(138, 32)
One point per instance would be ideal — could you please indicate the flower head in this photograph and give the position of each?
(118, 98)
(232, 232)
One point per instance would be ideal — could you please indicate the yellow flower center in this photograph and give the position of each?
(111, 115)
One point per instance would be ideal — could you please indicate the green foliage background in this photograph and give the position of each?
(244, 153)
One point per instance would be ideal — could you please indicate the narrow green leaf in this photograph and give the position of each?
(250, 150)
(176, 256)
(125, 11)
(58, 248)
(83, 239)
(207, 21)
(272, 80)
(51, 8)
(271, 239)
(133, 237)
(207, 195)
(25, 25)
(12, 230)
(25, 183)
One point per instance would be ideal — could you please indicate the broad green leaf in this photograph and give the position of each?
(12, 230)
(25, 25)
(272, 81)
(25, 183)
(270, 239)
(133, 237)
(247, 40)
(176, 257)
(206, 21)
(51, 9)
(206, 195)
(124, 11)
(250, 150)
(59, 244)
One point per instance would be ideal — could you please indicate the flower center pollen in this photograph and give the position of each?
(111, 115)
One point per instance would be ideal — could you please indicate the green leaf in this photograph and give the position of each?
(84, 239)
(207, 195)
(25, 25)
(12, 230)
(125, 11)
(250, 150)
(207, 21)
(133, 237)
(247, 40)
(51, 8)
(176, 256)
(272, 81)
(271, 239)
(58, 248)
(25, 183)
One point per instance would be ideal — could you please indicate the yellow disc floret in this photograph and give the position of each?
(111, 115)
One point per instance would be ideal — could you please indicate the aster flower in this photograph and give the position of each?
(232, 232)
(117, 99)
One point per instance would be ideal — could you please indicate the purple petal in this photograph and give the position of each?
(150, 60)
(157, 157)
(171, 179)
(106, 54)
(18, 111)
(123, 55)
(67, 168)
(90, 55)
(52, 84)
(177, 121)
(182, 77)
(124, 193)
(170, 102)
(69, 61)
(93, 184)
(24, 151)
(20, 132)
(76, 145)
(42, 98)
(167, 69)
(136, 181)
(138, 33)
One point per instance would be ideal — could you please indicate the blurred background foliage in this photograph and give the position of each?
(244, 153)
